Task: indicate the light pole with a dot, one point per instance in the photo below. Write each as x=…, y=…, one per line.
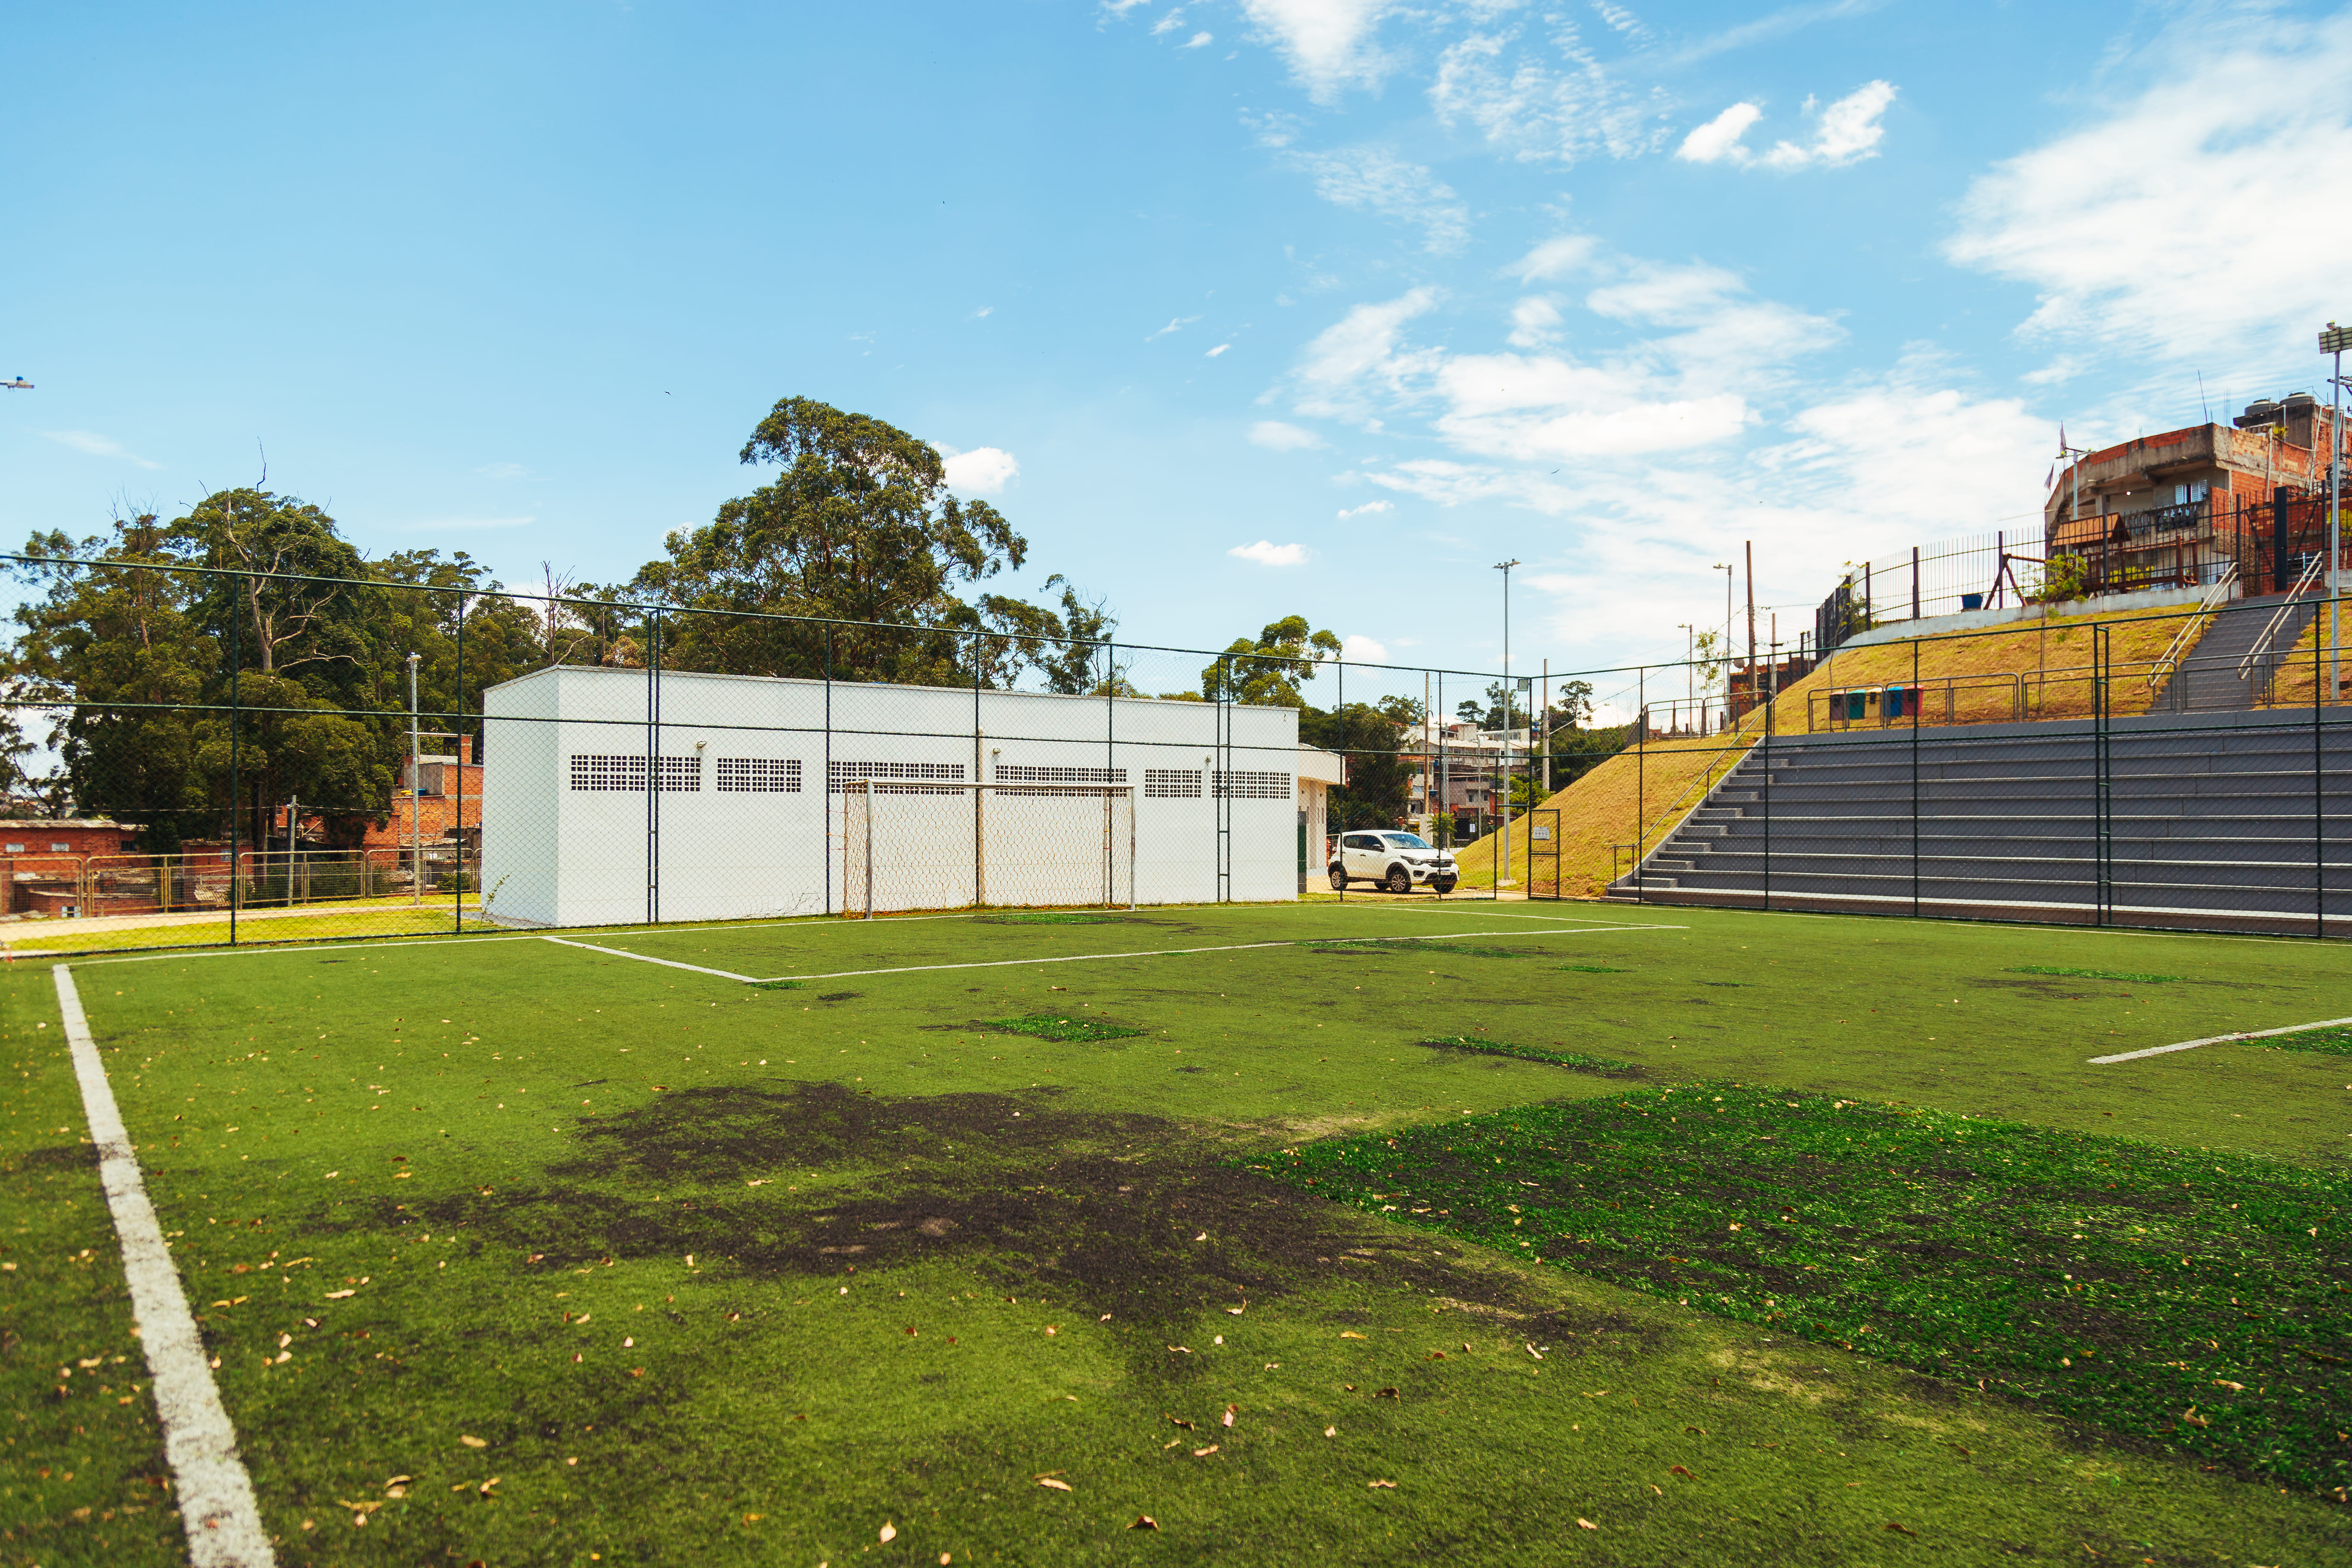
x=1690, y=652
x=1725, y=567
x=2334, y=341
x=1503, y=856
x=415, y=823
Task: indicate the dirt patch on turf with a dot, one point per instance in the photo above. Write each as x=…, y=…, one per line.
x=1087, y=1203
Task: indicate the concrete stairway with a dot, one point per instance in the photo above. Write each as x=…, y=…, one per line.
x=2212, y=822
x=2207, y=680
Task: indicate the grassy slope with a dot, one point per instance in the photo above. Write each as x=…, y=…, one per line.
x=1667, y=777
x=2299, y=673
x=882, y=1127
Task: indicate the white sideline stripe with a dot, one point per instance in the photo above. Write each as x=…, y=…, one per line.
x=1174, y=952
x=2217, y=1040
x=216, y=1502
x=641, y=958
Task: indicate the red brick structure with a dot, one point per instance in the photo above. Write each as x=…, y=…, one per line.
x=2174, y=509
x=44, y=860
x=446, y=795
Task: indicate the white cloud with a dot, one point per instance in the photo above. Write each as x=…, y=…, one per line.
x=1380, y=182
x=1214, y=353
x=1175, y=324
x=1359, y=354
x=1329, y=42
x=1719, y=138
x=1168, y=22
x=2141, y=230
x=983, y=312
x=1199, y=41
x=1368, y=508
x=1535, y=323
x=1556, y=258
x=1845, y=132
x=1358, y=647
x=92, y=444
x=1526, y=104
x=1276, y=437
x=983, y=470
x=503, y=471
x=1265, y=552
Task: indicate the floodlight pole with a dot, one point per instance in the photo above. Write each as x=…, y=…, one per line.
x=2333, y=342
x=1503, y=856
x=1725, y=567
x=415, y=824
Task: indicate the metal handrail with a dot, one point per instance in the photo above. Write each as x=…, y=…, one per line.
x=2286, y=607
x=2192, y=628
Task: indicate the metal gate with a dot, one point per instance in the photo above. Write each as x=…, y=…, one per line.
x=1543, y=852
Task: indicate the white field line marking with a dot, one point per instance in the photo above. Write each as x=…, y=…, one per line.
x=217, y=1503
x=1174, y=952
x=2217, y=1040
x=641, y=958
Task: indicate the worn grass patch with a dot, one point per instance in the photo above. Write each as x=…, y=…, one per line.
x=1577, y=1059
x=2095, y=973
x=1591, y=969
x=2335, y=1042
x=2194, y=1299
x=1072, y=1030
x=1046, y=918
x=1417, y=945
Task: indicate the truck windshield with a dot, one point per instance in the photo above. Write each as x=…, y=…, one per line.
x=1405, y=841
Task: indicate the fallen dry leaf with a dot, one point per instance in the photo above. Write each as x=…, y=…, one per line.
x=1586, y=1524
x=1203, y=1236
x=1677, y=1471
x=1204, y=1453
x=1349, y=1334
x=1144, y=1522
x=1903, y=1528
x=1390, y=1485
x=753, y=1518
x=1331, y=1431
x=1179, y=1421
x=1700, y=1430
x=1050, y=1481
x=1237, y=1312
x=889, y=1532
x=1172, y=1443
x=1388, y=1394
x=339, y=1295
x=472, y=1442
x=1231, y=1411
x=1050, y=1330
x=1533, y=1351
x=485, y=1486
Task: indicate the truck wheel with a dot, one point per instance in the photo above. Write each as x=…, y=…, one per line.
x=1400, y=879
x=1338, y=881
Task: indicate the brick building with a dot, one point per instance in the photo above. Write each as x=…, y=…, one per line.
x=442, y=801
x=2178, y=509
x=45, y=860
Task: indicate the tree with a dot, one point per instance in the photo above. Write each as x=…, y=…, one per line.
x=860, y=526
x=1379, y=791
x=1270, y=671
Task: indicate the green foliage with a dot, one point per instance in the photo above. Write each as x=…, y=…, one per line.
x=1480, y=1045
x=1054, y=1026
x=1379, y=791
x=1271, y=671
x=2099, y=1277
x=2094, y=973
x=2063, y=577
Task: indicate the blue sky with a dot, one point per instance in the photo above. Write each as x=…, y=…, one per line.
x=1236, y=308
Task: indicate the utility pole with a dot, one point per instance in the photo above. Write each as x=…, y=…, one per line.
x=1725, y=567
x=1503, y=855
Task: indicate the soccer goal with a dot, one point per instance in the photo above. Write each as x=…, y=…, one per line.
x=930, y=846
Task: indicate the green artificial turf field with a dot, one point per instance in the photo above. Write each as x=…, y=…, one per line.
x=990, y=1237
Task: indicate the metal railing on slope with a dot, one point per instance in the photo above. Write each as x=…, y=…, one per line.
x=2262, y=644
x=2191, y=630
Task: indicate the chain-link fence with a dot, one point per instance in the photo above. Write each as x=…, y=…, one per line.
x=200, y=755
x=2183, y=767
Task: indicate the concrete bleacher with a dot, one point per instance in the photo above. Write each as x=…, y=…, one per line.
x=2215, y=820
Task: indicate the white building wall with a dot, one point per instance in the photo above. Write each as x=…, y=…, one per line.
x=563, y=852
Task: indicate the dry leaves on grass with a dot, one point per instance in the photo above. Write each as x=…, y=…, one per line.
x=473, y=1442
x=1204, y=1453
x=1586, y=1524
x=1390, y=1485
x=889, y=1532
x=1059, y=1486
x=1144, y=1522
x=1231, y=1411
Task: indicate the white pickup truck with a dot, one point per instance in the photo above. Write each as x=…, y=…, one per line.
x=1396, y=860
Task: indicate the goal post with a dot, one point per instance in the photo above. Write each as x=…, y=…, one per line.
x=942, y=845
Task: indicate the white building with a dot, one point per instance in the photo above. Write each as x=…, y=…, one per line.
x=768, y=792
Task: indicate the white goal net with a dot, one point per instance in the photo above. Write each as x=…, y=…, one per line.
x=934, y=846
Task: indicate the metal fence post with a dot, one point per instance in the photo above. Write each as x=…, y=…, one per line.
x=236, y=787
x=2103, y=775
x=457, y=884
x=1916, y=706
x=826, y=799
